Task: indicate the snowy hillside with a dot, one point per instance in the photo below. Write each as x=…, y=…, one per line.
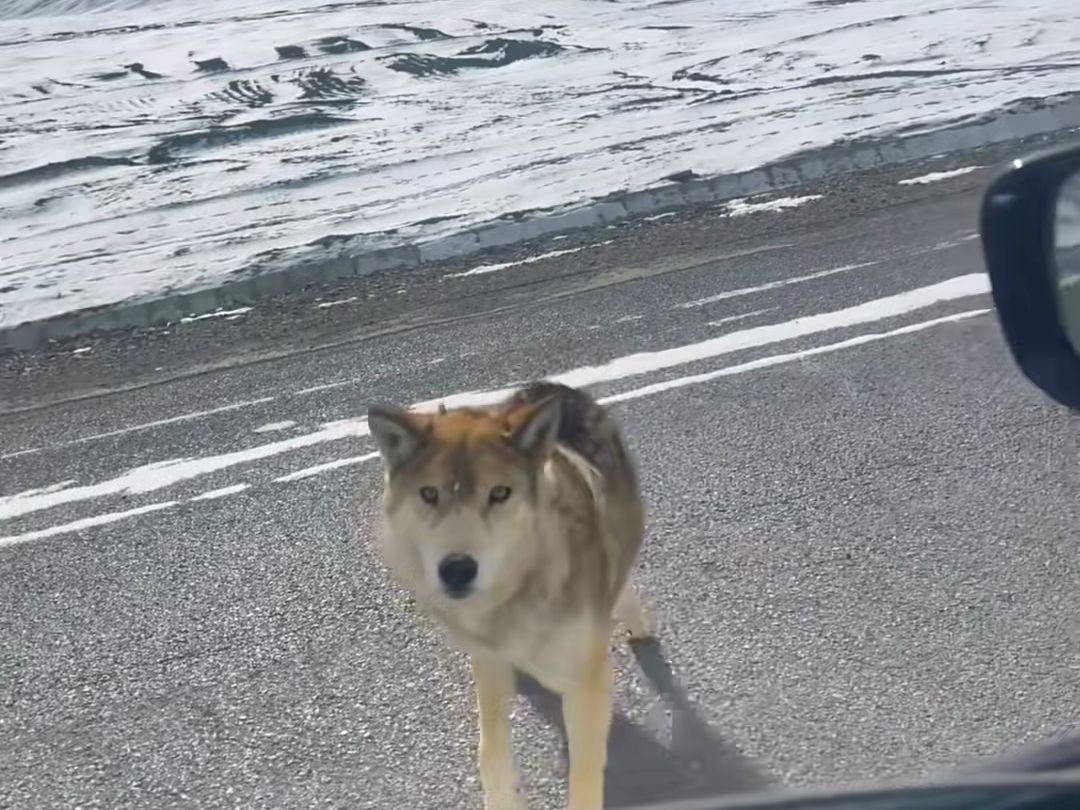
x=155, y=145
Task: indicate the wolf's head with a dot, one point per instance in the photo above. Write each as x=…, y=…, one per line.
x=460, y=504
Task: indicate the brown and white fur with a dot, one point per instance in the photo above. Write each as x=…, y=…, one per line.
x=516, y=527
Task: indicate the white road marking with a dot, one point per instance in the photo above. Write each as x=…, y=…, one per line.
x=740, y=317
x=771, y=285
x=491, y=268
x=949, y=243
x=162, y=474
x=775, y=360
x=338, y=303
x=940, y=246
x=274, y=427
x=27, y=452
x=151, y=477
x=85, y=523
x=30, y=493
x=681, y=382
x=935, y=177
x=342, y=383
x=876, y=310
x=235, y=406
x=644, y=362
x=324, y=387
x=308, y=472
x=224, y=492
x=227, y=313
x=625, y=396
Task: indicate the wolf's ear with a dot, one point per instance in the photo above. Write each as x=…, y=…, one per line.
x=396, y=433
x=538, y=429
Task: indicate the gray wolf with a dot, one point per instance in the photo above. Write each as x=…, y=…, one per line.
x=515, y=527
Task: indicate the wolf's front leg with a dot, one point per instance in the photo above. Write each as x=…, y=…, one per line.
x=498, y=773
x=587, y=716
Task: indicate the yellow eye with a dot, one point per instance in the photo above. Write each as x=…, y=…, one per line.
x=429, y=495
x=499, y=494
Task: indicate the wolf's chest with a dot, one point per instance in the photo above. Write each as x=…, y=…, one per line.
x=552, y=652
x=554, y=656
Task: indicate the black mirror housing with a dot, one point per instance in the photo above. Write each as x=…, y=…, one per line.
x=1017, y=227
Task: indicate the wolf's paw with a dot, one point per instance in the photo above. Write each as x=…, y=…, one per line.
x=639, y=627
x=631, y=612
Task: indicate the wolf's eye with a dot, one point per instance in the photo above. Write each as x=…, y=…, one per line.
x=499, y=494
x=429, y=495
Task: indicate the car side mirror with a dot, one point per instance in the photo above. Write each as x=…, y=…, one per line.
x=1030, y=229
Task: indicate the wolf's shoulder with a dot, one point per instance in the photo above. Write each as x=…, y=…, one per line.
x=585, y=426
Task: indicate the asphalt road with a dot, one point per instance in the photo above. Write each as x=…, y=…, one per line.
x=863, y=544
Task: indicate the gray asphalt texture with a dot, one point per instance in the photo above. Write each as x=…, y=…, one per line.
x=864, y=564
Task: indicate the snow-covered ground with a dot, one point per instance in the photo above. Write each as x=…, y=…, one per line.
x=153, y=145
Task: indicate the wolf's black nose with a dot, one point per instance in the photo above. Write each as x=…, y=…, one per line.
x=457, y=572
